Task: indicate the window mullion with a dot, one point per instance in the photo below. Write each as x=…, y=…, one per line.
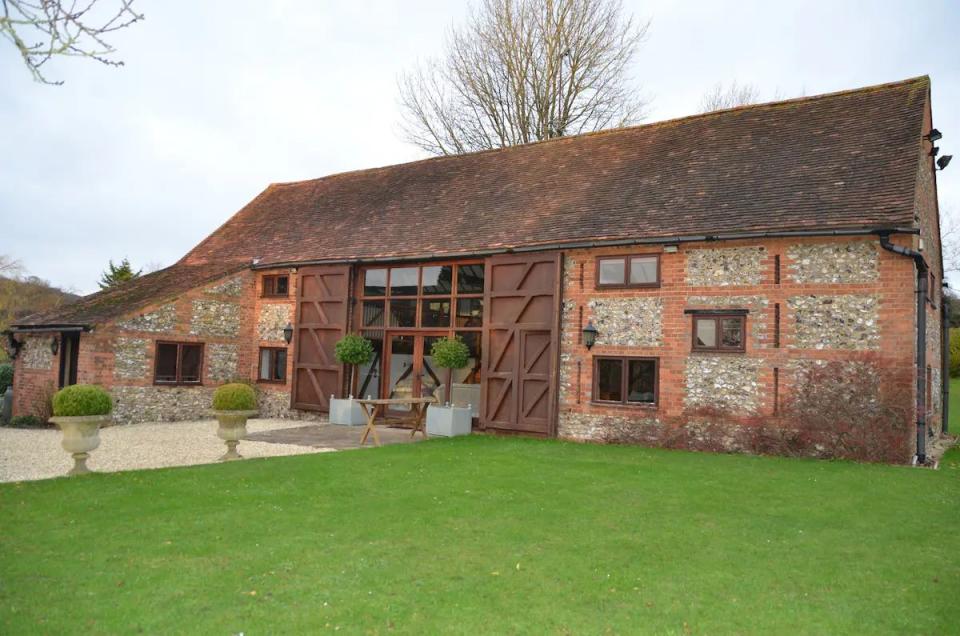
x=624, y=370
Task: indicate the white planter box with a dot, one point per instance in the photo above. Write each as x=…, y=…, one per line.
x=448, y=421
x=346, y=412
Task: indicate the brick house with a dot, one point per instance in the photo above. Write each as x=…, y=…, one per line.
x=719, y=258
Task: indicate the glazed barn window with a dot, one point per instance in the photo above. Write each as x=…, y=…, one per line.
x=719, y=332
x=178, y=363
x=628, y=271
x=273, y=364
x=625, y=380
x=276, y=286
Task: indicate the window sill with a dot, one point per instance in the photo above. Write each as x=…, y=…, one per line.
x=712, y=352
x=632, y=406
x=157, y=383
x=616, y=287
x=275, y=296
x=262, y=381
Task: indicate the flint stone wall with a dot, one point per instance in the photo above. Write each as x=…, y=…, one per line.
x=609, y=428
x=273, y=318
x=726, y=266
x=130, y=358
x=726, y=383
x=221, y=362
x=849, y=262
x=628, y=322
x=36, y=353
x=134, y=404
x=835, y=322
x=161, y=320
x=230, y=287
x=215, y=318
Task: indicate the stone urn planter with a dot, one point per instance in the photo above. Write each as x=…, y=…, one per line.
x=233, y=405
x=231, y=429
x=81, y=434
x=79, y=411
x=346, y=412
x=449, y=421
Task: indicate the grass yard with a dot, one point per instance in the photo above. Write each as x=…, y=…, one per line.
x=487, y=535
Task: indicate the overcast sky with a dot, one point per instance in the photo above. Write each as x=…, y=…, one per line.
x=220, y=98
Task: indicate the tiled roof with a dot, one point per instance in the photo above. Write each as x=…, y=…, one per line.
x=148, y=289
x=840, y=160
x=845, y=160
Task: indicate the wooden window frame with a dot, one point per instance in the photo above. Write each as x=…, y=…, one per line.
x=273, y=278
x=179, y=345
x=717, y=317
x=625, y=381
x=273, y=351
x=419, y=297
x=627, y=258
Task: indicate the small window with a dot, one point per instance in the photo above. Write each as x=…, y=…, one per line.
x=628, y=271
x=273, y=364
x=625, y=380
x=178, y=363
x=718, y=332
x=276, y=286
x=375, y=282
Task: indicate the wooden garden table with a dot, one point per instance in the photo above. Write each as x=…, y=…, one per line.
x=418, y=408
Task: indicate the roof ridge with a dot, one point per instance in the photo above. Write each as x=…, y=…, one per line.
x=919, y=79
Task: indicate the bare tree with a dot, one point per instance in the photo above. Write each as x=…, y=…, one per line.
x=721, y=97
x=525, y=70
x=949, y=241
x=10, y=266
x=43, y=29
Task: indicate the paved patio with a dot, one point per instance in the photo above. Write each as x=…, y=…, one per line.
x=331, y=437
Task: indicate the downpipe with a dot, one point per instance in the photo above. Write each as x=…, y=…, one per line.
x=922, y=288
x=945, y=366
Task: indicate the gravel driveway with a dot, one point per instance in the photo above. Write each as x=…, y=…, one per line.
x=27, y=454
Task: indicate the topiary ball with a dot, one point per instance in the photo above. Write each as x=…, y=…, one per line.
x=234, y=397
x=353, y=349
x=450, y=353
x=81, y=399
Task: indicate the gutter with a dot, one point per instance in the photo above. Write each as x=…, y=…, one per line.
x=46, y=328
x=568, y=245
x=921, y=358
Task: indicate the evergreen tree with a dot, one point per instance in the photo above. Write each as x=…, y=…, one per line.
x=116, y=274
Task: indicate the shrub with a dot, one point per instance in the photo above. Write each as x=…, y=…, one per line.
x=955, y=353
x=6, y=376
x=450, y=353
x=27, y=421
x=234, y=397
x=353, y=349
x=81, y=399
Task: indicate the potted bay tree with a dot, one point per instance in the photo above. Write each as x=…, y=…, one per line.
x=79, y=411
x=352, y=350
x=448, y=420
x=233, y=404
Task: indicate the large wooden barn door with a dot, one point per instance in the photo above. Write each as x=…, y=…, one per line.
x=520, y=348
x=322, y=300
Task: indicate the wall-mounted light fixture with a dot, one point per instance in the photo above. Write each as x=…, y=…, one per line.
x=54, y=345
x=589, y=335
x=670, y=249
x=934, y=135
x=943, y=161
x=288, y=333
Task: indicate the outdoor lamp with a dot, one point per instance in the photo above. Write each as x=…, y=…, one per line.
x=288, y=333
x=943, y=161
x=54, y=345
x=934, y=135
x=589, y=334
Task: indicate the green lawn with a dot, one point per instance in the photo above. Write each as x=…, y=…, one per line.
x=487, y=534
